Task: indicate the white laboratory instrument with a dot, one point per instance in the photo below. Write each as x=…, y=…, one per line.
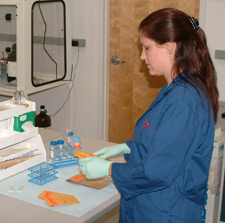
x=215, y=180
x=21, y=146
x=41, y=31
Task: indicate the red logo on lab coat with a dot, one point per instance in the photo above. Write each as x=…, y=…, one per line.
x=147, y=125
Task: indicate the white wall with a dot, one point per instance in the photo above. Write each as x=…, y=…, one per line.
x=88, y=23
x=212, y=21
x=84, y=112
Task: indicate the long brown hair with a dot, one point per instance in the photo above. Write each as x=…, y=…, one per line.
x=192, y=55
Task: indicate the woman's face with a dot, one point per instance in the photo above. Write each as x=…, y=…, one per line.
x=159, y=58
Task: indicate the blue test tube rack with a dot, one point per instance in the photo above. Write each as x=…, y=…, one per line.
x=63, y=157
x=42, y=173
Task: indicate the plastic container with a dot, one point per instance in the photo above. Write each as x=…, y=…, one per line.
x=69, y=138
x=42, y=120
x=4, y=80
x=53, y=146
x=60, y=144
x=76, y=143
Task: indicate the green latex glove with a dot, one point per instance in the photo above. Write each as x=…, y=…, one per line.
x=113, y=151
x=94, y=167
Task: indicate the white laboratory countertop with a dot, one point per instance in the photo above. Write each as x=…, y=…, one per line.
x=17, y=211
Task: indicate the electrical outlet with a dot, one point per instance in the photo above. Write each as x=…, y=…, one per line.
x=79, y=42
x=223, y=115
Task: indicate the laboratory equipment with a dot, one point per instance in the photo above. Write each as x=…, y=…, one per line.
x=42, y=173
x=43, y=46
x=20, y=144
x=70, y=139
x=60, y=144
x=215, y=180
x=68, y=136
x=18, y=98
x=4, y=80
x=43, y=120
x=76, y=143
x=63, y=155
x=12, y=64
x=53, y=146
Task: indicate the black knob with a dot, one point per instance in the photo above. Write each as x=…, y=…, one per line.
x=8, y=49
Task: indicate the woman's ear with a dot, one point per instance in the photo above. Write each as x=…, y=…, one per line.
x=171, y=47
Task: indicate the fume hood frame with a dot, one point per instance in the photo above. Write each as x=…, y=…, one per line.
x=24, y=47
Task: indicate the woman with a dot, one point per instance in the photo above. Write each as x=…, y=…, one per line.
x=165, y=175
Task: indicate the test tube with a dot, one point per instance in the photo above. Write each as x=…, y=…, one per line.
x=60, y=146
x=53, y=145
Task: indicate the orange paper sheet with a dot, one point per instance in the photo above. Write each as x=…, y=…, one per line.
x=54, y=198
x=81, y=154
x=78, y=177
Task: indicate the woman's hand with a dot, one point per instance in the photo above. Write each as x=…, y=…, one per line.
x=94, y=167
x=113, y=151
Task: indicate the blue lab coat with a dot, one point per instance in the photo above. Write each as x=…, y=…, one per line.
x=165, y=177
